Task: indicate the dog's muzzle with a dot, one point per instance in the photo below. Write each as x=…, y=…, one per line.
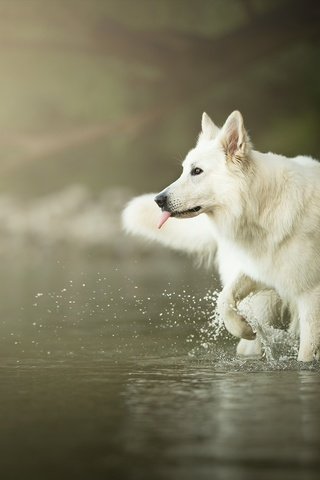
x=162, y=201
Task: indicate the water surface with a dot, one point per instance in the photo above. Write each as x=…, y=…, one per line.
x=112, y=369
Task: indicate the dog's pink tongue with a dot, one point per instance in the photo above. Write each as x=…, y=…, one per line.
x=164, y=217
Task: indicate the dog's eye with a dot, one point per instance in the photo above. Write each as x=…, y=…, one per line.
x=196, y=171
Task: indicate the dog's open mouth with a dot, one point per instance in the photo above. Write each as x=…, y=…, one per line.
x=186, y=213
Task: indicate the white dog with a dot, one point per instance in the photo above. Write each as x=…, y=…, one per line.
x=262, y=222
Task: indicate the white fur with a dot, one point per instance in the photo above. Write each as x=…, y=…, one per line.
x=195, y=236
x=262, y=219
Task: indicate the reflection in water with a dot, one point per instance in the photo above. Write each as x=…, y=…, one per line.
x=225, y=422
x=115, y=372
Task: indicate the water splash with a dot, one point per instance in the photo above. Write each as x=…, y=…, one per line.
x=211, y=337
x=278, y=344
x=175, y=321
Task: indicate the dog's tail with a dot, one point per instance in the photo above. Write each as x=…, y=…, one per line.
x=193, y=235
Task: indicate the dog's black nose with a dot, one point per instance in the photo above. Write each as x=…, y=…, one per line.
x=161, y=200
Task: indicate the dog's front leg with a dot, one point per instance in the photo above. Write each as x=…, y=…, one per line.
x=227, y=304
x=309, y=315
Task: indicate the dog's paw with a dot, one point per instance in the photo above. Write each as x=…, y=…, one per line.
x=249, y=348
x=308, y=354
x=237, y=325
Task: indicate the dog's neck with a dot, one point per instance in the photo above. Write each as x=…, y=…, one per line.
x=251, y=224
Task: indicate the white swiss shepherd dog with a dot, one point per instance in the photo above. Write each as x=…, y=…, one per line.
x=258, y=216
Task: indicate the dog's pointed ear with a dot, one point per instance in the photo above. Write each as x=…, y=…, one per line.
x=234, y=138
x=208, y=129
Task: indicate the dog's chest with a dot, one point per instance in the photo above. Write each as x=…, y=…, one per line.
x=260, y=267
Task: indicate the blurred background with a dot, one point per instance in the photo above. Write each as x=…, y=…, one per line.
x=102, y=99
x=112, y=364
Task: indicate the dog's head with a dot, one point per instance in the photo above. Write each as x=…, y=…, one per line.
x=211, y=171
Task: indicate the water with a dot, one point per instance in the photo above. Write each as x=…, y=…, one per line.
x=113, y=369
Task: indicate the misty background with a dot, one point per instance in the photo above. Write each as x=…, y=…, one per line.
x=101, y=100
x=113, y=363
